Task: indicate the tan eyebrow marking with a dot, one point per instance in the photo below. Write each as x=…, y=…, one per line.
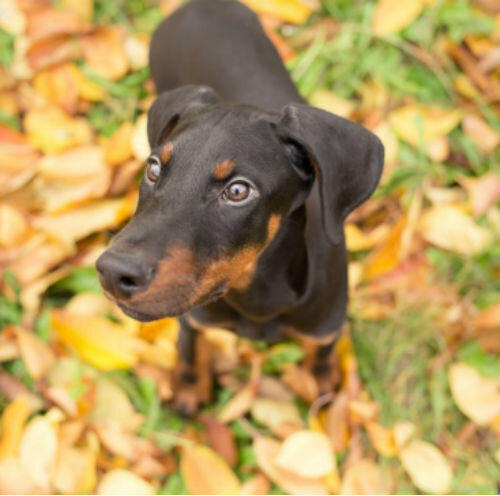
x=223, y=169
x=166, y=152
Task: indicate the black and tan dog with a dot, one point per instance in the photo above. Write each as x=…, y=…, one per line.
x=241, y=209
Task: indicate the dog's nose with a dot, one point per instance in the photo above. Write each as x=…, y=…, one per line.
x=123, y=275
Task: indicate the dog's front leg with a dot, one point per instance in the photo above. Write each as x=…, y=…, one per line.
x=193, y=380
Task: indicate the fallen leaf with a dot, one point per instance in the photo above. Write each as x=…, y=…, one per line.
x=481, y=133
x=97, y=340
x=51, y=130
x=205, y=472
x=36, y=354
x=364, y=477
x=489, y=318
x=137, y=50
x=403, y=433
x=337, y=426
x=238, y=405
x=118, y=148
x=15, y=478
x=448, y=227
x=14, y=418
x=306, y=453
x=483, y=191
x=121, y=481
x=382, y=439
x=221, y=439
x=86, y=304
x=46, y=52
x=266, y=450
x=258, y=484
x=417, y=124
x=13, y=19
x=38, y=451
x=391, y=16
x=293, y=11
x=301, y=382
x=427, y=467
x=279, y=416
x=327, y=100
x=476, y=396
x=104, y=52
x=74, y=470
x=140, y=142
x=13, y=226
x=87, y=219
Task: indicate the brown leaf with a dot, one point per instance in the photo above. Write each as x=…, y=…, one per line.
x=301, y=382
x=221, y=439
x=37, y=355
x=481, y=133
x=205, y=472
x=483, y=191
x=258, y=484
x=337, y=422
x=266, y=450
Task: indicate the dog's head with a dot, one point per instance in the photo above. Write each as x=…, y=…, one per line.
x=220, y=179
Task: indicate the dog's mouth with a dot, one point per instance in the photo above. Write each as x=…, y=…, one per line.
x=169, y=304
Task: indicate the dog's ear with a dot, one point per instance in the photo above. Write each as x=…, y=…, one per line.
x=168, y=106
x=346, y=158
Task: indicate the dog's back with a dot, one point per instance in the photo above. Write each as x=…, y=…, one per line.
x=220, y=43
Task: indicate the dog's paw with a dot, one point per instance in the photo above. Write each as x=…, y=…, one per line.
x=186, y=403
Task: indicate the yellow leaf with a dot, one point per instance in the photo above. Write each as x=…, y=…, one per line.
x=121, y=481
x=13, y=226
x=38, y=450
x=118, y=148
x=74, y=471
x=88, y=304
x=87, y=219
x=52, y=131
x=357, y=240
x=97, y=340
x=391, y=16
x=448, y=227
x=238, y=405
x=15, y=479
x=258, y=484
x=417, y=124
x=364, y=477
x=266, y=450
x=13, y=420
x=477, y=397
x=307, y=453
x=140, y=143
x=276, y=414
x=403, y=432
x=37, y=355
x=427, y=467
x=327, y=100
x=388, y=255
x=205, y=472
x=382, y=439
x=293, y=11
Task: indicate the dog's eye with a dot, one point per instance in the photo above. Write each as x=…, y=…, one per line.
x=153, y=168
x=237, y=192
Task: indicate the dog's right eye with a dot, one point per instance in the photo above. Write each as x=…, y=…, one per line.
x=153, y=168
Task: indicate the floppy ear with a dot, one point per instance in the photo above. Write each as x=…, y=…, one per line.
x=168, y=106
x=347, y=160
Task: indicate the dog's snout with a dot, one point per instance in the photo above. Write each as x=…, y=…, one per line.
x=123, y=275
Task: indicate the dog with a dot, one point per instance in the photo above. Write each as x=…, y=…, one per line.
x=241, y=209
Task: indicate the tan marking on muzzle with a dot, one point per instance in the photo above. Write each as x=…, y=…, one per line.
x=223, y=169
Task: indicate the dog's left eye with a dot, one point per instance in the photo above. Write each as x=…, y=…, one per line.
x=237, y=192
x=153, y=168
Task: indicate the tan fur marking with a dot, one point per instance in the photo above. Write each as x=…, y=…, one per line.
x=223, y=169
x=273, y=226
x=166, y=152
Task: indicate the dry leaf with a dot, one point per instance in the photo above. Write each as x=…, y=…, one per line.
x=327, y=100
x=483, y=191
x=266, y=450
x=403, y=432
x=104, y=52
x=97, y=340
x=280, y=416
x=37, y=355
x=364, y=477
x=121, y=481
x=13, y=226
x=15, y=478
x=38, y=451
x=74, y=471
x=293, y=11
x=448, y=227
x=118, y=148
x=307, y=453
x=337, y=422
x=258, y=484
x=391, y=16
x=481, y=133
x=489, y=318
x=14, y=418
x=238, y=405
x=417, y=124
x=140, y=142
x=137, y=50
x=427, y=467
x=477, y=397
x=301, y=382
x=382, y=439
x=87, y=219
x=52, y=131
x=221, y=439
x=205, y=472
